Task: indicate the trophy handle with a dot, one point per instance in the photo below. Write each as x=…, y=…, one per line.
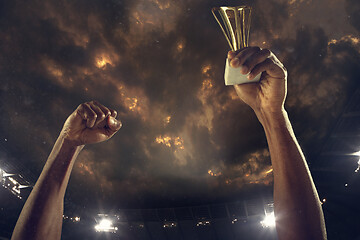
x=246, y=22
x=239, y=32
x=228, y=31
x=236, y=32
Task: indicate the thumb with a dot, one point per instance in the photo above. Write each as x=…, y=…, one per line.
x=113, y=124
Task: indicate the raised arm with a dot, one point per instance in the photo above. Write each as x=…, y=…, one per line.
x=41, y=216
x=297, y=206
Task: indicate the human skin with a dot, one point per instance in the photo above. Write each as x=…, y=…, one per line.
x=42, y=215
x=297, y=205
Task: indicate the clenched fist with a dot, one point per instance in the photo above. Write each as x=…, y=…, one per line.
x=91, y=122
x=270, y=92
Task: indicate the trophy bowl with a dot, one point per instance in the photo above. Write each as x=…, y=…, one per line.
x=235, y=24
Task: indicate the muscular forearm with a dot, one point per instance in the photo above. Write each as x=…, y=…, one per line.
x=297, y=206
x=41, y=217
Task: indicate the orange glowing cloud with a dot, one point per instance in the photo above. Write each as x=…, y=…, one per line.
x=167, y=120
x=131, y=103
x=163, y=4
x=56, y=72
x=148, y=17
x=102, y=61
x=180, y=45
x=213, y=173
x=256, y=170
x=135, y=101
x=107, y=56
x=348, y=38
x=168, y=141
x=87, y=166
x=205, y=70
x=179, y=142
x=68, y=24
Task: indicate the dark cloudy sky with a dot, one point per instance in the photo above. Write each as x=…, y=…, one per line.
x=160, y=64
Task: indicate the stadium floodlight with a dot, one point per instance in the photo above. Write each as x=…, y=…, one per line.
x=4, y=174
x=358, y=168
x=269, y=221
x=13, y=180
x=169, y=224
x=105, y=225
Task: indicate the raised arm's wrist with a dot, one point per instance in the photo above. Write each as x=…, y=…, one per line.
x=272, y=118
x=72, y=144
x=67, y=145
x=65, y=139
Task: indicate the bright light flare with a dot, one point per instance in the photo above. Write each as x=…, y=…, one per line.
x=203, y=223
x=358, y=168
x=4, y=174
x=356, y=154
x=269, y=221
x=105, y=225
x=169, y=224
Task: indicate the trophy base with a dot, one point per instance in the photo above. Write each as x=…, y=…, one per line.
x=233, y=76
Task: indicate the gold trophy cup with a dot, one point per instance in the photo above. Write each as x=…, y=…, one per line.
x=236, y=28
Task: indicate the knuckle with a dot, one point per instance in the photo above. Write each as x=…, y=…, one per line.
x=266, y=52
x=256, y=49
x=247, y=64
x=256, y=69
x=113, y=113
x=268, y=61
x=240, y=50
x=250, y=62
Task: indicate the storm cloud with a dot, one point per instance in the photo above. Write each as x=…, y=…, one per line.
x=160, y=64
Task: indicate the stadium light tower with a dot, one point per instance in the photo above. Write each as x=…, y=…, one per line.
x=12, y=181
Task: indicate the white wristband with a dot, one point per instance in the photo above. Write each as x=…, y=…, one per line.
x=234, y=76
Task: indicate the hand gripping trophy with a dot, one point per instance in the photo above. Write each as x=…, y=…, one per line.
x=236, y=21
